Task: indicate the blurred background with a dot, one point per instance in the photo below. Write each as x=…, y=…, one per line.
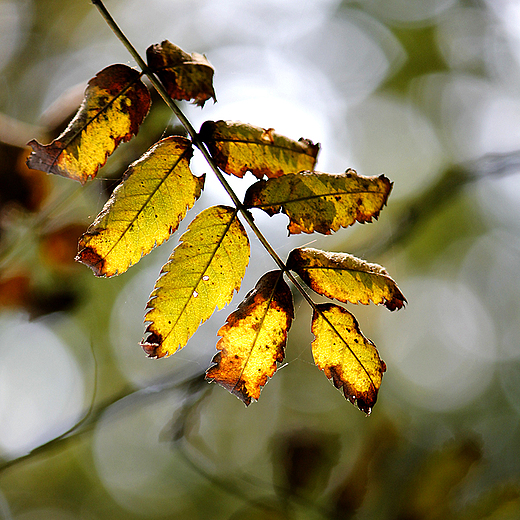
x=426, y=92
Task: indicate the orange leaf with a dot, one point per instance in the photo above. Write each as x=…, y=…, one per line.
x=253, y=339
x=116, y=102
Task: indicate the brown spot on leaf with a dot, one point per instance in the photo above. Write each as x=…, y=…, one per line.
x=91, y=259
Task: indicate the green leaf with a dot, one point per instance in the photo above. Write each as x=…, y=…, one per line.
x=144, y=210
x=238, y=148
x=202, y=273
x=346, y=356
x=345, y=277
x=321, y=202
x=253, y=339
x=116, y=102
x=185, y=76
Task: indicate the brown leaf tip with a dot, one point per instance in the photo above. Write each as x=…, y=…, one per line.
x=237, y=388
x=152, y=344
x=91, y=259
x=365, y=401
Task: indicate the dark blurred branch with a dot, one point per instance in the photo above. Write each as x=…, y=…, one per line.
x=448, y=186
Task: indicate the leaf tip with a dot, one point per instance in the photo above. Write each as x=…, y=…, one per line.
x=90, y=258
x=152, y=344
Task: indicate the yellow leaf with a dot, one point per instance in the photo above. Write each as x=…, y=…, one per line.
x=185, y=76
x=345, y=277
x=116, y=102
x=346, y=356
x=144, y=210
x=202, y=273
x=321, y=202
x=238, y=148
x=253, y=339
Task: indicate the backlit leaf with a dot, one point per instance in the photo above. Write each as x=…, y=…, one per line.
x=321, y=202
x=253, y=339
x=201, y=274
x=238, y=148
x=346, y=356
x=116, y=102
x=345, y=277
x=185, y=76
x=144, y=210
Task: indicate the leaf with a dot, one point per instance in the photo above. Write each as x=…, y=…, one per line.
x=202, y=273
x=115, y=104
x=321, y=202
x=254, y=338
x=346, y=356
x=345, y=277
x=238, y=148
x=144, y=210
x=185, y=76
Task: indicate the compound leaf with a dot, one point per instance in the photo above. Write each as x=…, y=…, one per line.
x=321, y=202
x=185, y=76
x=115, y=104
x=253, y=339
x=345, y=277
x=238, y=148
x=346, y=356
x=144, y=210
x=202, y=273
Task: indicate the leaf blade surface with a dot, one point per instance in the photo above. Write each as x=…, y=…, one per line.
x=238, y=148
x=186, y=76
x=202, y=274
x=115, y=104
x=253, y=339
x=144, y=210
x=346, y=356
x=345, y=277
x=321, y=202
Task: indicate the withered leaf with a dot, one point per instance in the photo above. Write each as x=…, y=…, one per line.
x=321, y=202
x=185, y=76
x=253, y=339
x=115, y=104
x=202, y=274
x=144, y=210
x=238, y=148
x=345, y=277
x=346, y=356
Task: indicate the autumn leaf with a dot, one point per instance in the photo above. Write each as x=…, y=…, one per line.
x=201, y=274
x=238, y=148
x=144, y=210
x=185, y=76
x=345, y=277
x=346, y=356
x=115, y=104
x=321, y=202
x=253, y=339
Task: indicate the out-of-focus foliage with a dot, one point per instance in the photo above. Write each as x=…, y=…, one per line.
x=419, y=91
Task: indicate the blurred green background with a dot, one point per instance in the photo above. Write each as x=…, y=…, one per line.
x=425, y=91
